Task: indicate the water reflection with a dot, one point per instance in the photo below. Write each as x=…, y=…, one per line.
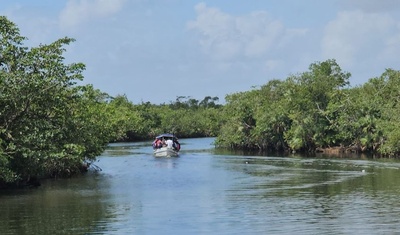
x=58, y=207
x=336, y=196
x=166, y=162
x=206, y=191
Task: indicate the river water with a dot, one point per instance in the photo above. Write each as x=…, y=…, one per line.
x=206, y=191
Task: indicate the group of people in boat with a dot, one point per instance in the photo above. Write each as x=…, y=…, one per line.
x=169, y=142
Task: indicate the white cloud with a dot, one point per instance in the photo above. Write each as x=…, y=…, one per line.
x=260, y=33
x=216, y=30
x=80, y=11
x=226, y=37
x=143, y=43
x=356, y=34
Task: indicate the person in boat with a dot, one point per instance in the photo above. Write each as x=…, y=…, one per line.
x=157, y=143
x=167, y=142
x=176, y=144
x=170, y=143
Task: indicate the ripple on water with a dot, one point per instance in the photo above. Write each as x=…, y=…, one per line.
x=202, y=193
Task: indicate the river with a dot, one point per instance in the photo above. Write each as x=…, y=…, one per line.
x=206, y=191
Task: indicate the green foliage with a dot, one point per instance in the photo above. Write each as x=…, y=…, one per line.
x=238, y=113
x=190, y=118
x=124, y=119
x=315, y=110
x=387, y=105
x=310, y=95
x=48, y=124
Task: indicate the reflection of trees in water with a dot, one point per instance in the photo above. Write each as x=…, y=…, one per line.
x=333, y=195
x=290, y=176
x=128, y=148
x=65, y=206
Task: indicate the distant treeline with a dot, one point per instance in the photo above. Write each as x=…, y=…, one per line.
x=186, y=117
x=50, y=126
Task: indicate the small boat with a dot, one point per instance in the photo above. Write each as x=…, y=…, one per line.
x=166, y=145
x=165, y=152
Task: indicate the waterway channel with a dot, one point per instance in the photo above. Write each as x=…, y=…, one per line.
x=207, y=191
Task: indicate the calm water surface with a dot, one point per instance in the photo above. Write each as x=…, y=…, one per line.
x=209, y=192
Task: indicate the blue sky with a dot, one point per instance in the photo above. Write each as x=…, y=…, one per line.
x=157, y=50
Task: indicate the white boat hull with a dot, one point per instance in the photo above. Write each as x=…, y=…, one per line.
x=165, y=152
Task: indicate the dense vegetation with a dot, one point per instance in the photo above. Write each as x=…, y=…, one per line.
x=50, y=126
x=316, y=110
x=186, y=117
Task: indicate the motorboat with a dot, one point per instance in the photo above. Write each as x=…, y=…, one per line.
x=166, y=145
x=165, y=152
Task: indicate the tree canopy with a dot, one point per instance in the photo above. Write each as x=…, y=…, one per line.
x=49, y=125
x=316, y=110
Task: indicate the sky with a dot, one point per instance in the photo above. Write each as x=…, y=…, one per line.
x=157, y=50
